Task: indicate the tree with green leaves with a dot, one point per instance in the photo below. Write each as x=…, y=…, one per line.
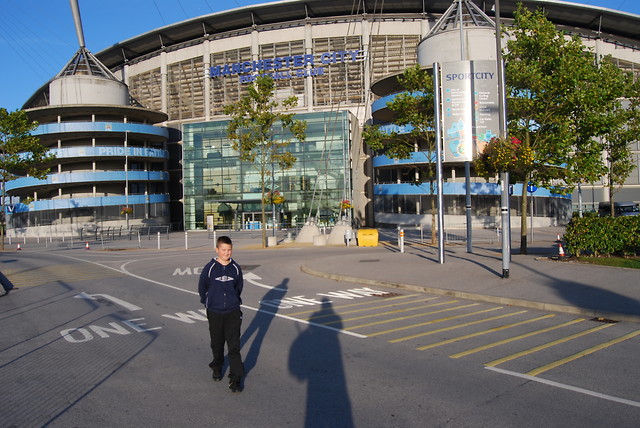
x=558, y=100
x=413, y=111
x=20, y=154
x=619, y=126
x=256, y=129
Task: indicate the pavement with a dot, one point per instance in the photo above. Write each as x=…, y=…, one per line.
x=536, y=280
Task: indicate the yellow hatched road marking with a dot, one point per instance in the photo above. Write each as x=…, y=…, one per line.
x=426, y=333
x=372, y=308
x=581, y=354
x=394, y=312
x=368, y=302
x=411, y=316
x=491, y=330
x=47, y=274
x=513, y=339
x=545, y=346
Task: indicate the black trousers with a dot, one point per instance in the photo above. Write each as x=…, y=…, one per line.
x=226, y=328
x=6, y=284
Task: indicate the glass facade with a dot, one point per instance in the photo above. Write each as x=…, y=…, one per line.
x=218, y=184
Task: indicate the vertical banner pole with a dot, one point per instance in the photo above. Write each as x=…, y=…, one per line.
x=438, y=126
x=504, y=176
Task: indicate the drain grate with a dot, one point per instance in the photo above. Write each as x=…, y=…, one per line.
x=369, y=260
x=384, y=295
x=604, y=320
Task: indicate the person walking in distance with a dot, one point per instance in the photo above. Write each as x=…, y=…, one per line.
x=220, y=287
x=7, y=285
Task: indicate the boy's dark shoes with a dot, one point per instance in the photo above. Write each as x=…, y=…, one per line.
x=234, y=386
x=217, y=374
x=8, y=291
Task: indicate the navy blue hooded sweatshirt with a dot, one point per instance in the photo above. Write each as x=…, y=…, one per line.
x=220, y=286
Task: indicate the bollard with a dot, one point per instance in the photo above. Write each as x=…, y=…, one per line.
x=402, y=240
x=158, y=240
x=348, y=235
x=186, y=240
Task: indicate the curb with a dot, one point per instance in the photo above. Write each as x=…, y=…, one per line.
x=567, y=309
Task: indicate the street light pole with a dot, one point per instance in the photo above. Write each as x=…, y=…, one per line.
x=504, y=175
x=126, y=176
x=273, y=205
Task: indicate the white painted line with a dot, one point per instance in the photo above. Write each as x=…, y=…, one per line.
x=252, y=278
x=350, y=333
x=124, y=270
x=567, y=387
x=126, y=305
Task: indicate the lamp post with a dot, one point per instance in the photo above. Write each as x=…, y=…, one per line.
x=126, y=177
x=504, y=175
x=273, y=205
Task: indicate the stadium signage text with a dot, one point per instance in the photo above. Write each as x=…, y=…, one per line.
x=469, y=76
x=130, y=151
x=309, y=65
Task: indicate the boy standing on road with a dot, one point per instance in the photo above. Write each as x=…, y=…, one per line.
x=220, y=287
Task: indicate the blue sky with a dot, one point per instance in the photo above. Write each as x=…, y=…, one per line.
x=37, y=37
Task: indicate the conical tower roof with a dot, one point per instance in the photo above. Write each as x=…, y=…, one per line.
x=463, y=13
x=83, y=63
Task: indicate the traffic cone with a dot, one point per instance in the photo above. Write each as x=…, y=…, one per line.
x=86, y=246
x=18, y=249
x=561, y=254
x=558, y=240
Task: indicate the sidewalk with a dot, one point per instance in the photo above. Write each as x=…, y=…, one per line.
x=535, y=281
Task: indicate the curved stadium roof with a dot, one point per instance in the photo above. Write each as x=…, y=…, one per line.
x=613, y=25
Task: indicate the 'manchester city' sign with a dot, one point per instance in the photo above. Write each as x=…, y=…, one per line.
x=308, y=65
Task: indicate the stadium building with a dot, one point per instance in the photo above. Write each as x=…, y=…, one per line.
x=340, y=60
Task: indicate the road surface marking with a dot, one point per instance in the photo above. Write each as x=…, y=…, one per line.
x=427, y=333
x=424, y=323
x=480, y=333
x=545, y=346
x=373, y=308
x=513, y=339
x=379, y=314
x=350, y=333
x=416, y=315
x=126, y=305
x=567, y=387
x=581, y=354
x=368, y=302
x=123, y=270
x=253, y=279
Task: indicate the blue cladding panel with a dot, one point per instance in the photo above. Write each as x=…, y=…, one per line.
x=68, y=127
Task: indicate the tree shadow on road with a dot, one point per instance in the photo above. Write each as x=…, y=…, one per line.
x=316, y=357
x=590, y=296
x=260, y=324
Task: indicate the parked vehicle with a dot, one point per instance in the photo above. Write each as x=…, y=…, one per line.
x=620, y=209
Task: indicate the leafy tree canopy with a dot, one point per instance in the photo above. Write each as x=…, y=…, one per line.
x=258, y=122
x=20, y=152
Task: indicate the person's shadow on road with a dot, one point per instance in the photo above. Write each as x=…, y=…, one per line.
x=315, y=357
x=260, y=324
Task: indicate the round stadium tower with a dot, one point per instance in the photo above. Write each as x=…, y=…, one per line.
x=341, y=61
x=110, y=166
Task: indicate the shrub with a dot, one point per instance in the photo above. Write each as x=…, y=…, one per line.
x=603, y=236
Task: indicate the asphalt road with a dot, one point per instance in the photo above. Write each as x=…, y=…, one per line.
x=116, y=338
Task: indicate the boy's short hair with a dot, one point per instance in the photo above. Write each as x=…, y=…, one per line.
x=223, y=240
